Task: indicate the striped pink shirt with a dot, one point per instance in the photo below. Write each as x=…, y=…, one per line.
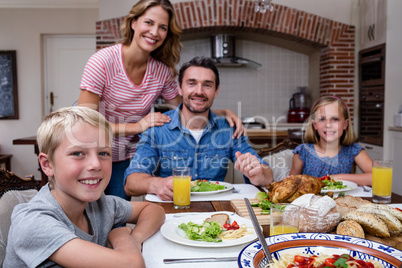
x=120, y=100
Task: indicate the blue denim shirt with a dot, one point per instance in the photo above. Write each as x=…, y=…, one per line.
x=160, y=149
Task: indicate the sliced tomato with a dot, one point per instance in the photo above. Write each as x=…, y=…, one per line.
x=227, y=226
x=330, y=262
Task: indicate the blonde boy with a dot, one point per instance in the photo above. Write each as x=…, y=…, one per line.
x=69, y=222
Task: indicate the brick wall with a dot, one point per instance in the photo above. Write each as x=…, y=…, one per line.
x=335, y=40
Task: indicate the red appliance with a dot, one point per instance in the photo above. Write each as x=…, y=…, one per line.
x=299, y=107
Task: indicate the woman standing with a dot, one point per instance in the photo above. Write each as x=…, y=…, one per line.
x=123, y=81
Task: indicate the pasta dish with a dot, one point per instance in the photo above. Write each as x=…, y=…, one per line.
x=334, y=261
x=234, y=233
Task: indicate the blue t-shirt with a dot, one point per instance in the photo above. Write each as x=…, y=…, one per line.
x=317, y=166
x=172, y=145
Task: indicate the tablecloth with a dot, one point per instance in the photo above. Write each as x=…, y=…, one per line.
x=241, y=191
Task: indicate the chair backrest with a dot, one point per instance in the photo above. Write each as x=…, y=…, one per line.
x=279, y=158
x=14, y=190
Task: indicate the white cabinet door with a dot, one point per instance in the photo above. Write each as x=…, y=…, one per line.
x=373, y=23
x=396, y=156
x=375, y=152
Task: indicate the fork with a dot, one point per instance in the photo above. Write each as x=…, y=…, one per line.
x=365, y=189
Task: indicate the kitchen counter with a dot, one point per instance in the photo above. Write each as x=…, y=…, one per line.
x=265, y=138
x=398, y=129
x=266, y=133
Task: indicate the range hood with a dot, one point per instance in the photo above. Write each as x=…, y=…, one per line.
x=224, y=52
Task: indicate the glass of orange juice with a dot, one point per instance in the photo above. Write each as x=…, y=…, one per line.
x=284, y=218
x=181, y=187
x=382, y=181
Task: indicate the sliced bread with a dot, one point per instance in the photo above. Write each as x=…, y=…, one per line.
x=220, y=218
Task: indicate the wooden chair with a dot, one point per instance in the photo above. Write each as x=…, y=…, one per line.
x=279, y=158
x=10, y=181
x=14, y=190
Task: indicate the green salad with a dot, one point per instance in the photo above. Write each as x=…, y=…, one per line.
x=334, y=185
x=264, y=203
x=208, y=231
x=206, y=186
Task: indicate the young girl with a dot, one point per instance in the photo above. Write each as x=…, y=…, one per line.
x=70, y=221
x=330, y=147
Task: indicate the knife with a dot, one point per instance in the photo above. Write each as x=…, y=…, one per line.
x=258, y=231
x=219, y=259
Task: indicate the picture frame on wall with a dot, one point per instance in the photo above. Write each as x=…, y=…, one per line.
x=8, y=85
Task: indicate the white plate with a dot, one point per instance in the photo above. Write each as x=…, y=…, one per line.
x=351, y=186
x=229, y=187
x=171, y=231
x=395, y=205
x=318, y=243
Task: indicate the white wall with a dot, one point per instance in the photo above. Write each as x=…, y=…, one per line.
x=21, y=30
x=393, y=69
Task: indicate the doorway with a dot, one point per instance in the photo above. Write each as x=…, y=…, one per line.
x=65, y=57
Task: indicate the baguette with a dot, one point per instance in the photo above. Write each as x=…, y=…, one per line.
x=370, y=223
x=396, y=213
x=393, y=224
x=350, y=228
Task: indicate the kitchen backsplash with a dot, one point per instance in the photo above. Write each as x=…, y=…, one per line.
x=264, y=91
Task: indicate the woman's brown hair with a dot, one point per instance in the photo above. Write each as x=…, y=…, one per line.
x=169, y=51
x=311, y=136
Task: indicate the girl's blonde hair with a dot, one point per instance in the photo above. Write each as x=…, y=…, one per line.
x=311, y=136
x=55, y=125
x=169, y=51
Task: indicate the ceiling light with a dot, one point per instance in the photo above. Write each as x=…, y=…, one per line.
x=263, y=5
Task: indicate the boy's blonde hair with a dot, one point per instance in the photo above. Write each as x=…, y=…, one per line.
x=53, y=128
x=311, y=136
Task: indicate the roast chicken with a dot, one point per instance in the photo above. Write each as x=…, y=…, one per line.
x=290, y=188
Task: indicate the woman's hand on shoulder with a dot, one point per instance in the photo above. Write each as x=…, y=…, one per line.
x=233, y=120
x=153, y=120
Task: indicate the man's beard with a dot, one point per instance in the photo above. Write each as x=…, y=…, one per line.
x=191, y=109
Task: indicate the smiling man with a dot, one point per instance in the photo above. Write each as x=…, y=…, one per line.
x=194, y=138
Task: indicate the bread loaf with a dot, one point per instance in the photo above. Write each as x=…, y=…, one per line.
x=370, y=223
x=392, y=222
x=317, y=213
x=350, y=228
x=396, y=213
x=349, y=203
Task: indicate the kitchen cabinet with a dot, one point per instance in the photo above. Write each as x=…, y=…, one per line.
x=373, y=24
x=375, y=152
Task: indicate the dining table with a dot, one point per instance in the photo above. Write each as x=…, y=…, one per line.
x=215, y=206
x=165, y=248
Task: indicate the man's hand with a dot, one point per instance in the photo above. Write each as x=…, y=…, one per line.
x=248, y=164
x=163, y=188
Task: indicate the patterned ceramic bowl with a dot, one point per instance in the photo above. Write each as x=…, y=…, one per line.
x=319, y=243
